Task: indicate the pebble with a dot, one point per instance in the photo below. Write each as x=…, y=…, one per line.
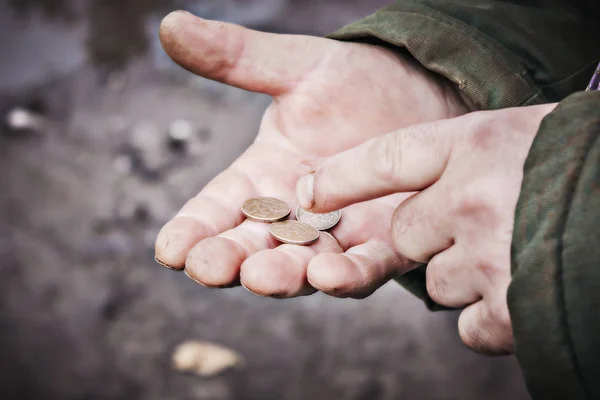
x=21, y=119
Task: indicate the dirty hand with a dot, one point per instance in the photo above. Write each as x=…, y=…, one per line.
x=328, y=96
x=468, y=173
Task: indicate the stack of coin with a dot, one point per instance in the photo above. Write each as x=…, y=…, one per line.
x=306, y=230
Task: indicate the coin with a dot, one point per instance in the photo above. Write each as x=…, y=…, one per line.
x=294, y=232
x=265, y=209
x=328, y=234
x=321, y=222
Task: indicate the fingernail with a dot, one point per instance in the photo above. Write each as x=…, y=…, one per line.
x=194, y=279
x=305, y=191
x=166, y=265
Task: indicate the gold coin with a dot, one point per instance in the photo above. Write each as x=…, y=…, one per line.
x=321, y=222
x=266, y=209
x=294, y=232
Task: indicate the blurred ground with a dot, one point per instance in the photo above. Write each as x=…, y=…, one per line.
x=84, y=311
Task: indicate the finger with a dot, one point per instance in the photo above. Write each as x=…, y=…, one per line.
x=251, y=60
x=216, y=261
x=422, y=226
x=215, y=210
x=451, y=281
x=485, y=333
x=410, y=159
x=357, y=273
x=281, y=272
x=364, y=230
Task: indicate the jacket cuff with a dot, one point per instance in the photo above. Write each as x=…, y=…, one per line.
x=484, y=70
x=553, y=299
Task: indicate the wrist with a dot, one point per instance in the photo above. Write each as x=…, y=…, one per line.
x=452, y=101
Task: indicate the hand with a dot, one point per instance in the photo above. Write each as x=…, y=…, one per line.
x=468, y=172
x=328, y=96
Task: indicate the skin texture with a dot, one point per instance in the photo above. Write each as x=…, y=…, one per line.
x=468, y=173
x=328, y=97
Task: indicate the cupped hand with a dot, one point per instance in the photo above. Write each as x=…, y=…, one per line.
x=328, y=96
x=468, y=173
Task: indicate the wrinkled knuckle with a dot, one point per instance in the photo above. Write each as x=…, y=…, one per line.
x=481, y=135
x=491, y=336
x=490, y=268
x=404, y=248
x=480, y=130
x=472, y=203
x=223, y=51
x=385, y=158
x=403, y=219
x=435, y=285
x=469, y=203
x=474, y=337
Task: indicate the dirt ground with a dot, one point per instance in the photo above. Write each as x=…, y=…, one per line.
x=85, y=313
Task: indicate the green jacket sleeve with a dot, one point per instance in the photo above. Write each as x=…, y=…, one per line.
x=554, y=297
x=500, y=53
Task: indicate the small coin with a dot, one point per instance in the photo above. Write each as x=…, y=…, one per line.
x=266, y=209
x=294, y=232
x=321, y=222
x=328, y=234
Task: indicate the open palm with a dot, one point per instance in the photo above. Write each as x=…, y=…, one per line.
x=328, y=96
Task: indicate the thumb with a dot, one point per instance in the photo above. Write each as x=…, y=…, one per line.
x=251, y=60
x=407, y=160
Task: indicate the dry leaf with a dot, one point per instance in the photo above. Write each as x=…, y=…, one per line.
x=204, y=358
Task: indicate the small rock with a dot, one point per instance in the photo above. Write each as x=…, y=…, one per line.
x=181, y=129
x=148, y=143
x=20, y=119
x=180, y=133
x=204, y=358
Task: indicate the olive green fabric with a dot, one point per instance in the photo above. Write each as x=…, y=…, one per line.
x=500, y=53
x=554, y=297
